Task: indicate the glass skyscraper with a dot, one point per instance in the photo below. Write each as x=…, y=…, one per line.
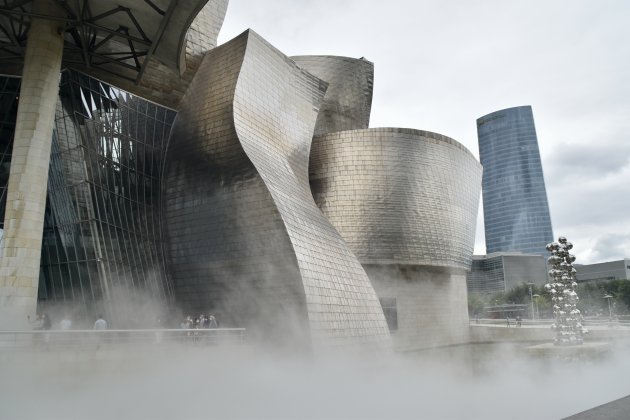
x=516, y=212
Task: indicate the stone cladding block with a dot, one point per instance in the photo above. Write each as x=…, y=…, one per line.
x=26, y=191
x=245, y=237
x=431, y=304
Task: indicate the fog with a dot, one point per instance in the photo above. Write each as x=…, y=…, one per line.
x=483, y=381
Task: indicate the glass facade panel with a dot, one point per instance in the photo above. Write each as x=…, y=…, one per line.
x=9, y=91
x=102, y=242
x=486, y=276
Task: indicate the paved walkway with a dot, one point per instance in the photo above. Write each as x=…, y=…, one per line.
x=615, y=410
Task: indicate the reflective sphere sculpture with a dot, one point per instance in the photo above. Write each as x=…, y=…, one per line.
x=568, y=323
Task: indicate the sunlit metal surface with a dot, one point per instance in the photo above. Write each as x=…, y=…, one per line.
x=245, y=236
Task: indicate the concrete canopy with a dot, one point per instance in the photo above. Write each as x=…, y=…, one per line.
x=120, y=37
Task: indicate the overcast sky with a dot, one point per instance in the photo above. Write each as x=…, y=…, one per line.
x=441, y=64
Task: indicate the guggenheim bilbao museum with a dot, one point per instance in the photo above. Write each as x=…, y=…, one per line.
x=144, y=167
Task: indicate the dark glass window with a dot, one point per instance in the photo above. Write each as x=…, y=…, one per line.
x=391, y=312
x=102, y=239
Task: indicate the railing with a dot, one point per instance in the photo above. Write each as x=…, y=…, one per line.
x=99, y=338
x=512, y=322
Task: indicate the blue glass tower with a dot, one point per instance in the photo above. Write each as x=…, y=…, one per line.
x=516, y=212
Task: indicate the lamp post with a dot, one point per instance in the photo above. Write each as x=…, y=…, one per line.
x=531, y=298
x=536, y=296
x=608, y=296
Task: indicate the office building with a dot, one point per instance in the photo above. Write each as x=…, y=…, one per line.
x=516, y=212
x=609, y=270
x=503, y=271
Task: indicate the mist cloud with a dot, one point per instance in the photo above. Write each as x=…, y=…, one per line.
x=187, y=382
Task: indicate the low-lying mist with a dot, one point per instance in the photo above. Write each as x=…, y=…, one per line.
x=173, y=381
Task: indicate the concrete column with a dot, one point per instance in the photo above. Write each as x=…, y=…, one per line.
x=26, y=195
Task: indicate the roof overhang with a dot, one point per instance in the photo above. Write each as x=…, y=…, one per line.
x=117, y=36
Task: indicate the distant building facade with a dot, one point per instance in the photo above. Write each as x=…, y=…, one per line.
x=502, y=271
x=516, y=211
x=609, y=270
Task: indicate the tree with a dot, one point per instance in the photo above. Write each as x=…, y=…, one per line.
x=475, y=305
x=592, y=296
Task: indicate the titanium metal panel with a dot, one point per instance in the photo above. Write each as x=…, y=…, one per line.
x=516, y=212
x=398, y=196
x=348, y=100
x=246, y=239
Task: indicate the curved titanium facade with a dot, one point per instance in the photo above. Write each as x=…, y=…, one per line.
x=246, y=239
x=516, y=212
x=348, y=100
x=398, y=196
x=406, y=203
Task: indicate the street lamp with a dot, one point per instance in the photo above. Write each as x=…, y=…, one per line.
x=531, y=298
x=608, y=297
x=537, y=313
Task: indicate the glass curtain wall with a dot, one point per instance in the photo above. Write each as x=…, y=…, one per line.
x=9, y=91
x=102, y=249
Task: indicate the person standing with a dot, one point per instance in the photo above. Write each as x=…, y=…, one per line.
x=37, y=323
x=46, y=324
x=100, y=323
x=212, y=322
x=65, y=323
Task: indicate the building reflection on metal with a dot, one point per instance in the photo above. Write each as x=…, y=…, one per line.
x=244, y=232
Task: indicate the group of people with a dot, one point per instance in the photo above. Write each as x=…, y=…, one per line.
x=43, y=322
x=202, y=321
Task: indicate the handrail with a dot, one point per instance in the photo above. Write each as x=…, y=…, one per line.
x=121, y=331
x=98, y=338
